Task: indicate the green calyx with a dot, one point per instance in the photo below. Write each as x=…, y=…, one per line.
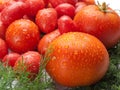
x=103, y=7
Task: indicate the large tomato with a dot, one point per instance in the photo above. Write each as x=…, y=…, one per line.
x=76, y=59
x=100, y=21
x=22, y=35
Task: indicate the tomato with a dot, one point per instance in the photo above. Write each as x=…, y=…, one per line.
x=34, y=6
x=46, y=2
x=104, y=23
x=46, y=40
x=66, y=24
x=89, y=1
x=10, y=59
x=2, y=29
x=3, y=48
x=79, y=6
x=14, y=11
x=22, y=35
x=55, y=3
x=65, y=9
x=29, y=62
x=4, y=3
x=76, y=59
x=46, y=19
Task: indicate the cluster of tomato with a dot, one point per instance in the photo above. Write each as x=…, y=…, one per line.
x=73, y=34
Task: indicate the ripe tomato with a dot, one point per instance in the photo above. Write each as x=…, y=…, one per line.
x=3, y=48
x=66, y=24
x=10, y=59
x=29, y=62
x=65, y=9
x=2, y=29
x=104, y=24
x=88, y=1
x=79, y=6
x=55, y=3
x=46, y=40
x=14, y=11
x=22, y=35
x=34, y=6
x=77, y=59
x=4, y=3
x=46, y=19
x=46, y=2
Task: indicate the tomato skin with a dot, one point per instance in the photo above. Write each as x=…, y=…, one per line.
x=66, y=24
x=46, y=19
x=65, y=9
x=10, y=59
x=105, y=26
x=55, y=3
x=12, y=12
x=88, y=1
x=46, y=40
x=4, y=3
x=2, y=29
x=22, y=35
x=3, y=48
x=31, y=61
x=33, y=6
x=46, y=2
x=79, y=6
x=77, y=59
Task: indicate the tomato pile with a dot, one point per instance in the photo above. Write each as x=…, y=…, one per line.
x=72, y=36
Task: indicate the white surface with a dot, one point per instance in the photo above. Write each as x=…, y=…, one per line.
x=114, y=4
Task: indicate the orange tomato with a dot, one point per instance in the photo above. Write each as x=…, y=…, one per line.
x=103, y=23
x=22, y=35
x=76, y=59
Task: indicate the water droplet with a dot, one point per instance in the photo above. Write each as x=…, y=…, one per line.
x=53, y=58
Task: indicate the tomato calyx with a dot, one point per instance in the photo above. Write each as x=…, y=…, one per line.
x=103, y=7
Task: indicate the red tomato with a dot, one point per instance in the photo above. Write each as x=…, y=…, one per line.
x=79, y=6
x=2, y=29
x=66, y=24
x=46, y=19
x=3, y=48
x=65, y=9
x=46, y=2
x=14, y=11
x=104, y=24
x=10, y=59
x=4, y=3
x=34, y=6
x=57, y=2
x=29, y=62
x=88, y=1
x=46, y=40
x=22, y=35
x=76, y=59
